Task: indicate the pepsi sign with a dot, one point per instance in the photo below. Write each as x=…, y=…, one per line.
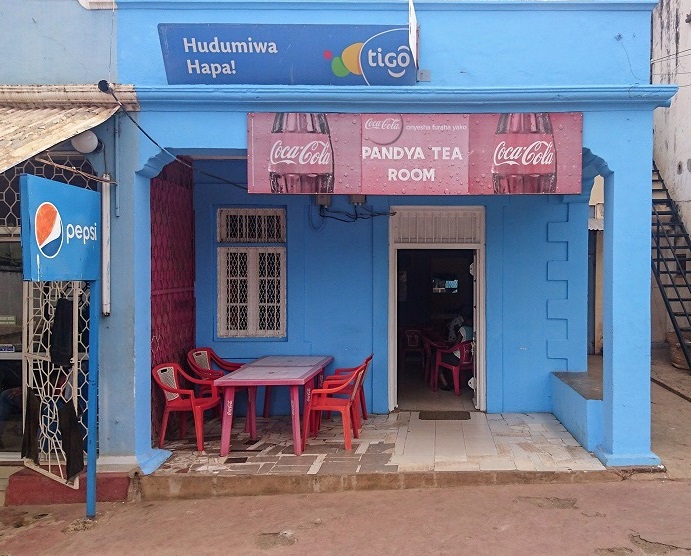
x=60, y=230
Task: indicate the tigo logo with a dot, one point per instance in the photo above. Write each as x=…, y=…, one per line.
x=48, y=230
x=348, y=62
x=382, y=59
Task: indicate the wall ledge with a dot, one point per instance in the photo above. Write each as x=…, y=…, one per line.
x=387, y=5
x=417, y=98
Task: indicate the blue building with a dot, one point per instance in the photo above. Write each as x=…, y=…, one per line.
x=342, y=268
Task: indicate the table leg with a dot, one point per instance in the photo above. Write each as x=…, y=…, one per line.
x=227, y=423
x=312, y=426
x=252, y=411
x=295, y=415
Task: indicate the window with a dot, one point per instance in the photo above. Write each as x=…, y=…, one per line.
x=251, y=277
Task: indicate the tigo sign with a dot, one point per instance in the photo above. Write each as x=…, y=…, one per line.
x=227, y=54
x=60, y=230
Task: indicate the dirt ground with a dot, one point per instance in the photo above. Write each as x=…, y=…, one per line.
x=646, y=514
x=629, y=517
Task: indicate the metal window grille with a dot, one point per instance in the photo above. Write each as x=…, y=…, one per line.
x=439, y=225
x=251, y=279
x=251, y=226
x=251, y=292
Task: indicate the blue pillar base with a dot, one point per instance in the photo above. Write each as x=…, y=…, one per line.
x=152, y=459
x=627, y=460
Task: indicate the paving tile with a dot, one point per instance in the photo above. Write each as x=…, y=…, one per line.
x=497, y=464
x=338, y=468
x=449, y=442
x=397, y=442
x=455, y=466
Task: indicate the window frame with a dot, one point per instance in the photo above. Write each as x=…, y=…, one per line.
x=253, y=293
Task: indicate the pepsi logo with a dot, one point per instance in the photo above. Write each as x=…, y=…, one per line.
x=48, y=230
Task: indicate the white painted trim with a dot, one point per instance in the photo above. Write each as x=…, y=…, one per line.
x=479, y=324
x=480, y=331
x=97, y=4
x=393, y=321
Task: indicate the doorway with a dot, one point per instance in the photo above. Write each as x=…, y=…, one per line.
x=436, y=263
x=435, y=301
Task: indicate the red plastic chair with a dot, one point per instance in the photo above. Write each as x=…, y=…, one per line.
x=465, y=363
x=410, y=341
x=170, y=377
x=207, y=364
x=430, y=347
x=339, y=375
x=327, y=399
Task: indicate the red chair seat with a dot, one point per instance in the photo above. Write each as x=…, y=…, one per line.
x=339, y=374
x=327, y=399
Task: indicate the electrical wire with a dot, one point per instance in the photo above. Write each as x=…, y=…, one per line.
x=680, y=54
x=72, y=169
x=349, y=217
x=324, y=212
x=104, y=86
x=313, y=225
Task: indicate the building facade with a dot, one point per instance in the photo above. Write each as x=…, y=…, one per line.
x=212, y=244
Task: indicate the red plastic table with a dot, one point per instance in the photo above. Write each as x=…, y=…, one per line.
x=273, y=370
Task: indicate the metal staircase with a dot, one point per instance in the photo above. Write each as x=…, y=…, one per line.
x=671, y=250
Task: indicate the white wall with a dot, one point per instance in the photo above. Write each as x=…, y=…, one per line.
x=671, y=63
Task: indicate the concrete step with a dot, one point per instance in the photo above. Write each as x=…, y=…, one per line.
x=26, y=486
x=5, y=472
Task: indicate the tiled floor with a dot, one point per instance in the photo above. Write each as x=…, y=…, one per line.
x=397, y=442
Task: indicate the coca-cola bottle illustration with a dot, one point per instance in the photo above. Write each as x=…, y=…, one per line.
x=525, y=159
x=301, y=157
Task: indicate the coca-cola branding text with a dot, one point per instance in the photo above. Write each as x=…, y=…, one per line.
x=386, y=123
x=383, y=130
x=314, y=153
x=537, y=153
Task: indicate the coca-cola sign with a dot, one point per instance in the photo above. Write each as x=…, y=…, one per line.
x=416, y=154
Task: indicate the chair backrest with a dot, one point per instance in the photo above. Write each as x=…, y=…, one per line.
x=358, y=377
x=412, y=338
x=427, y=344
x=466, y=349
x=366, y=364
x=200, y=357
x=166, y=374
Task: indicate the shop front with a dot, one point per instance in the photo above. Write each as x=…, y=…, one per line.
x=342, y=182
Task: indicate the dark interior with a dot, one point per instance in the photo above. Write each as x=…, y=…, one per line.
x=434, y=286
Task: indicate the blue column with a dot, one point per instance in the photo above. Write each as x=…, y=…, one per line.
x=125, y=335
x=626, y=298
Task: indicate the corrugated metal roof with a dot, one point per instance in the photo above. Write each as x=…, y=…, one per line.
x=29, y=131
x=34, y=118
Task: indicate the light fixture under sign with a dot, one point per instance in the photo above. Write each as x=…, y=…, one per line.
x=86, y=142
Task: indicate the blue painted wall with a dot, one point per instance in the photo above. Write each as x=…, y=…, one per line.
x=332, y=297
x=488, y=44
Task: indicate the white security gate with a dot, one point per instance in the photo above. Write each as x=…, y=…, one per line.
x=53, y=385
x=439, y=228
